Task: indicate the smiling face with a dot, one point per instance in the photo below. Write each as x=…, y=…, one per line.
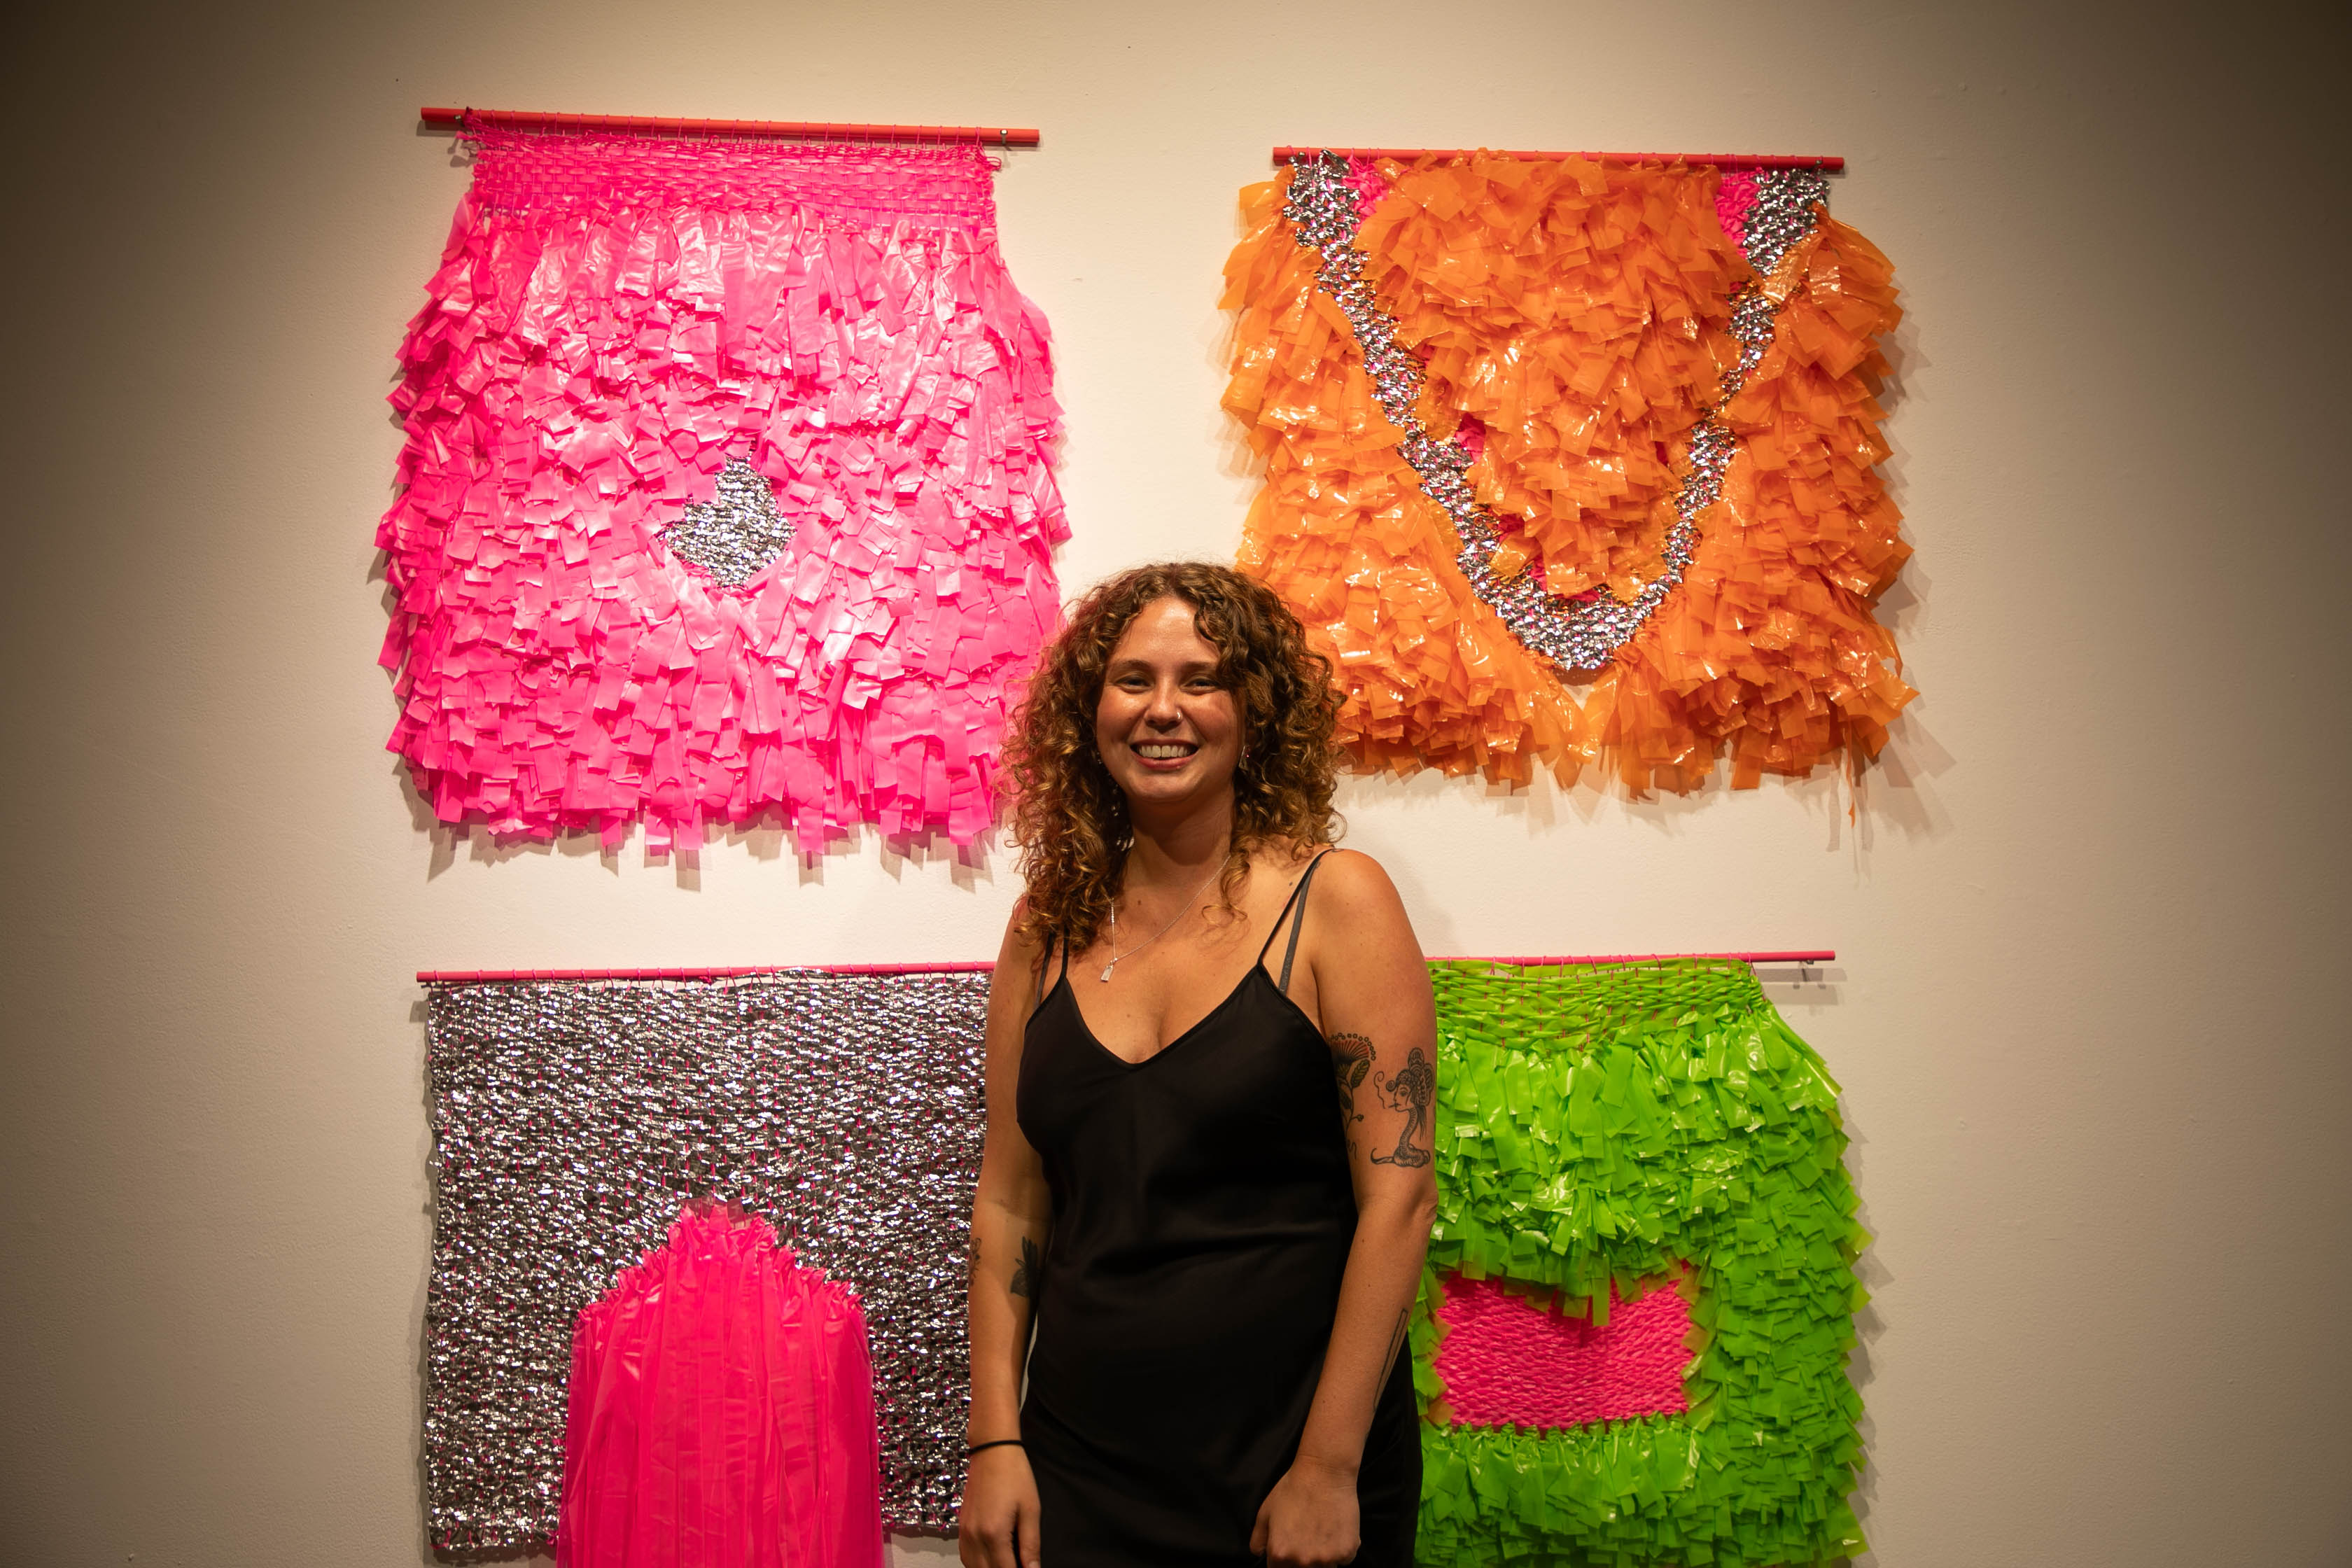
x=1168, y=730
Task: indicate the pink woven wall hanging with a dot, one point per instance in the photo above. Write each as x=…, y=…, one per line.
x=726, y=496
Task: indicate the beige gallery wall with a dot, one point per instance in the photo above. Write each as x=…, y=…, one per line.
x=2090, y=1005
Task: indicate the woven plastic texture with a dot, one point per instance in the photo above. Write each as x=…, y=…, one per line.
x=1603, y=1133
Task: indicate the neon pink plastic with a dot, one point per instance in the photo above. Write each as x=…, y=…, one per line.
x=614, y=319
x=722, y=1411
x=1370, y=185
x=1509, y=1364
x=1735, y=198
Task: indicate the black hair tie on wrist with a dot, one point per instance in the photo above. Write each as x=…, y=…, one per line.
x=1000, y=1442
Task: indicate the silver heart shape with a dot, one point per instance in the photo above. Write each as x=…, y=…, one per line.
x=737, y=533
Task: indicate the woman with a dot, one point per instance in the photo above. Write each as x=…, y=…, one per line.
x=1219, y=1259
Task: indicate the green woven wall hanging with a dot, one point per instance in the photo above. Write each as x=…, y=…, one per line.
x=1605, y=1133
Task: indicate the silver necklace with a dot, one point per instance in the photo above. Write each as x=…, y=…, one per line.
x=1181, y=911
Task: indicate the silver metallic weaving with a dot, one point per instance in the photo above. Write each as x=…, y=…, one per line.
x=571, y=1121
x=737, y=532
x=1581, y=633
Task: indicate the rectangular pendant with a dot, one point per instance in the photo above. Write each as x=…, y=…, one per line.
x=1107, y=968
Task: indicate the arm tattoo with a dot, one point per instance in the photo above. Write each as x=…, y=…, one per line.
x=1028, y=1271
x=1351, y=1058
x=1410, y=1089
x=1396, y=1340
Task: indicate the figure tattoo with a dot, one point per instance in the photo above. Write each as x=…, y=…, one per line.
x=1410, y=1089
x=1351, y=1058
x=1028, y=1270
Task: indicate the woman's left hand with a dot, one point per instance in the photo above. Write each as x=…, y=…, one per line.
x=1310, y=1520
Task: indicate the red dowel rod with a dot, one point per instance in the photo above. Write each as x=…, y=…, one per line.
x=1719, y=160
x=511, y=977
x=654, y=125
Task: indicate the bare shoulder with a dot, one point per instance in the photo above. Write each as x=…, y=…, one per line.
x=1020, y=959
x=1016, y=945
x=1352, y=882
x=1371, y=976
x=1358, y=911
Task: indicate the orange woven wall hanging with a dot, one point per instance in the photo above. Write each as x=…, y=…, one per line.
x=1573, y=462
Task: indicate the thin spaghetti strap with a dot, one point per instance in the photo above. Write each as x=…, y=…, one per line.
x=1275, y=929
x=1290, y=953
x=1045, y=992
x=1297, y=900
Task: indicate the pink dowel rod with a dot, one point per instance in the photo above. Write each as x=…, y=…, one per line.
x=1824, y=162
x=1794, y=955
x=497, y=977
x=655, y=125
x=503, y=977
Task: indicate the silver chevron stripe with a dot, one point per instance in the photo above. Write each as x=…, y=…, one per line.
x=1581, y=634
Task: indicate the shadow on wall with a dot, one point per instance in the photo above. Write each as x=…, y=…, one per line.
x=1895, y=792
x=1868, y=1325
x=970, y=867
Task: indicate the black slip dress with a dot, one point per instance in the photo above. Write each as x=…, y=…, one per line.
x=1201, y=1216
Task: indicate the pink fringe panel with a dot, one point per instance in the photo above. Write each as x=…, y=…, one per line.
x=615, y=320
x=1507, y=1362
x=721, y=1412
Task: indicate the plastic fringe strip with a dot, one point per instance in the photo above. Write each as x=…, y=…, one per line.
x=1608, y=1129
x=1524, y=422
x=720, y=1411
x=726, y=496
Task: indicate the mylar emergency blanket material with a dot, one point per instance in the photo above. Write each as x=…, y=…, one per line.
x=1573, y=462
x=1633, y=1330
x=726, y=495
x=721, y=1411
x=572, y=1119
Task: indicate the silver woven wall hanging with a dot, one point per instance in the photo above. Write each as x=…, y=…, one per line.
x=571, y=1120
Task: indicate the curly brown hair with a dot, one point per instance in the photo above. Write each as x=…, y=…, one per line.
x=1069, y=818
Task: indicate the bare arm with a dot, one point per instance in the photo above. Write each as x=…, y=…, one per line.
x=1371, y=989
x=1011, y=1212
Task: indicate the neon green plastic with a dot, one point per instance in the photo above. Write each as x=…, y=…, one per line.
x=1644, y=1124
